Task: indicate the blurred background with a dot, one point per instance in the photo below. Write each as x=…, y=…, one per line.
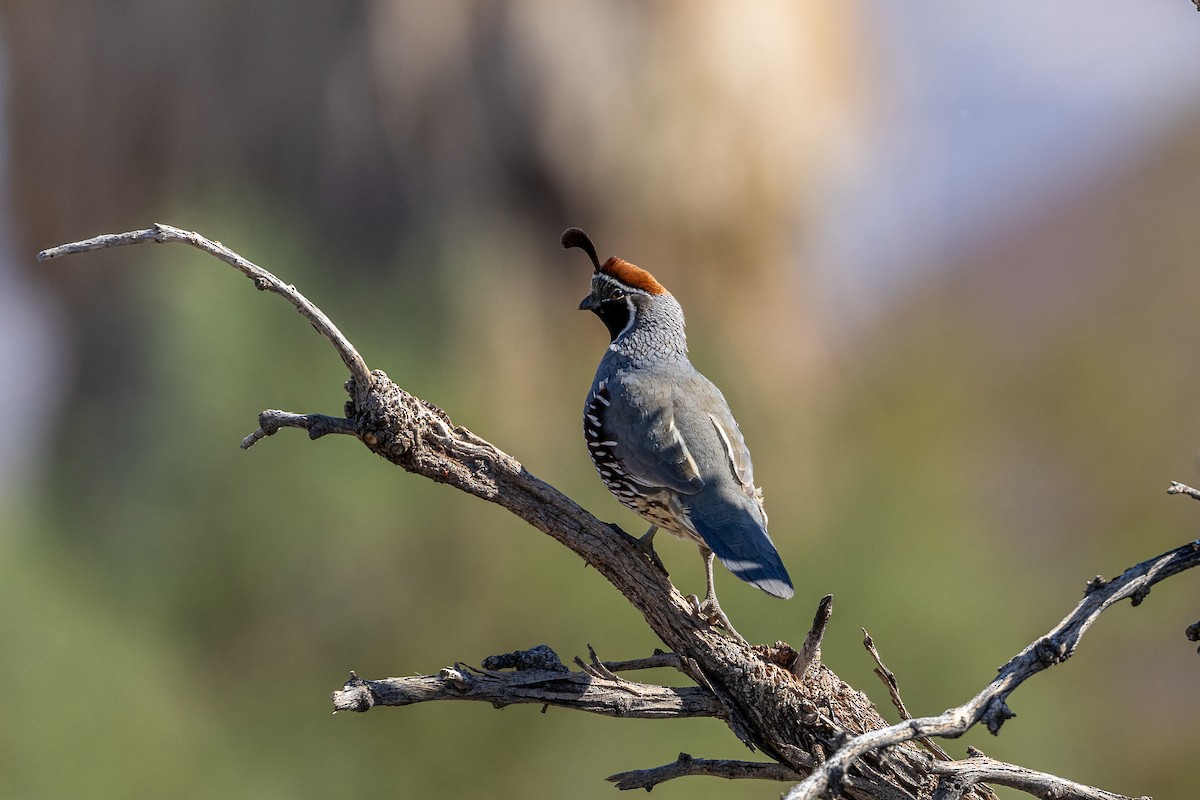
x=939, y=256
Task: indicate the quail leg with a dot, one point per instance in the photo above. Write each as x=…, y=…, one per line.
x=645, y=545
x=709, y=609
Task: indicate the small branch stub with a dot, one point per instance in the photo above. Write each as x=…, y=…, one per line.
x=810, y=651
x=272, y=421
x=356, y=695
x=1182, y=488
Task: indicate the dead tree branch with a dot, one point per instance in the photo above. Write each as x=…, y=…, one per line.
x=686, y=765
x=544, y=684
x=960, y=776
x=263, y=280
x=784, y=703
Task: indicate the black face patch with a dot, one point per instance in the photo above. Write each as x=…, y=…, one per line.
x=614, y=314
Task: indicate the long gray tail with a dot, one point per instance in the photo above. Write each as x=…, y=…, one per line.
x=733, y=531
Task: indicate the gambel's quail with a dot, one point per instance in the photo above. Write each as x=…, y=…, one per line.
x=661, y=434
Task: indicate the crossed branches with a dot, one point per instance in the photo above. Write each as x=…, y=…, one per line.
x=813, y=727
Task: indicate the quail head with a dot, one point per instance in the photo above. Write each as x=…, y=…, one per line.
x=662, y=436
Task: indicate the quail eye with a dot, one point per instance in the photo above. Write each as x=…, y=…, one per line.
x=617, y=294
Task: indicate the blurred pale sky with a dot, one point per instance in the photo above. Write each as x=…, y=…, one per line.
x=30, y=347
x=981, y=116
x=987, y=115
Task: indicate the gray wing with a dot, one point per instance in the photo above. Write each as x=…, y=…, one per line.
x=712, y=434
x=641, y=431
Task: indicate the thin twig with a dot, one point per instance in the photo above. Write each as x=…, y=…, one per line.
x=596, y=668
x=263, y=280
x=686, y=765
x=956, y=788
x=989, y=705
x=659, y=659
x=893, y=686
x=271, y=422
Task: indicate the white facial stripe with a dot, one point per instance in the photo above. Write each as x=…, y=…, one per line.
x=613, y=282
x=632, y=316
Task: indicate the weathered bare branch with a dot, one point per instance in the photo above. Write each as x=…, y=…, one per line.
x=263, y=280
x=960, y=775
x=687, y=765
x=544, y=684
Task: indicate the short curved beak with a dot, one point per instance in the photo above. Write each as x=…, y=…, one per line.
x=588, y=304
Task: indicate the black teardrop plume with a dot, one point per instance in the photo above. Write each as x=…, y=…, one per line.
x=575, y=237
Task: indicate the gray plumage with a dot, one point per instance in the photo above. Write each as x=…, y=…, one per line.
x=662, y=436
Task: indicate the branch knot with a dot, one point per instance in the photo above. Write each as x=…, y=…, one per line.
x=356, y=695
x=457, y=678
x=1050, y=652
x=997, y=714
